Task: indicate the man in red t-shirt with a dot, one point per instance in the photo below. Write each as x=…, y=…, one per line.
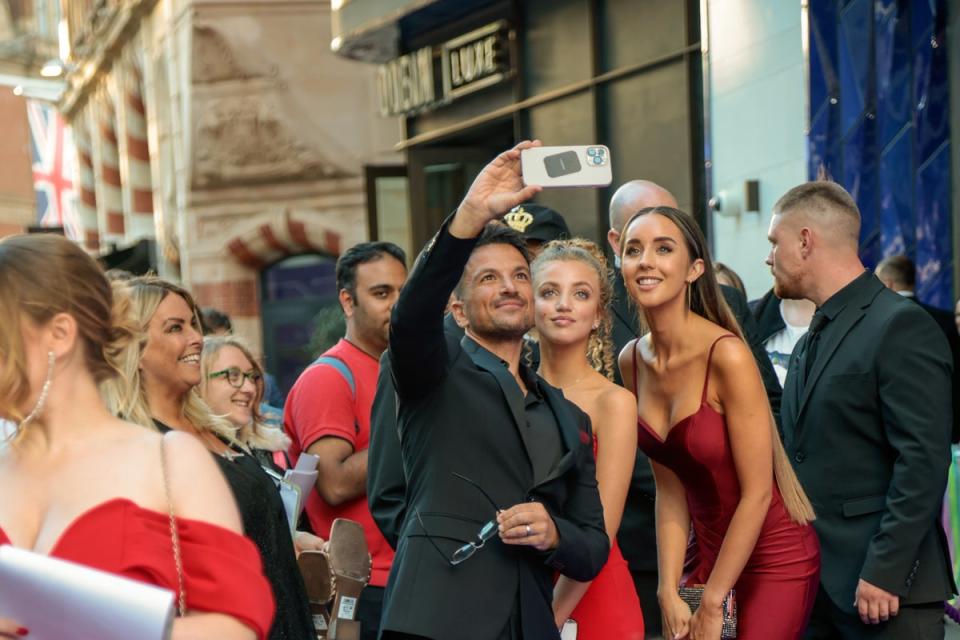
x=327, y=413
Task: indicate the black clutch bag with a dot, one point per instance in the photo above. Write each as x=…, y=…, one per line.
x=693, y=594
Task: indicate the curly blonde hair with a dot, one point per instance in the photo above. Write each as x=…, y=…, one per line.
x=600, y=347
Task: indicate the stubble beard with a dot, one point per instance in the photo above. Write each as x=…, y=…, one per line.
x=786, y=288
x=502, y=330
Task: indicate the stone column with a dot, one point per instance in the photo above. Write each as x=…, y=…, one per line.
x=86, y=182
x=106, y=167
x=134, y=150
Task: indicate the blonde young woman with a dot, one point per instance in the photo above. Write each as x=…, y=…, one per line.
x=232, y=385
x=78, y=484
x=158, y=389
x=572, y=292
x=717, y=459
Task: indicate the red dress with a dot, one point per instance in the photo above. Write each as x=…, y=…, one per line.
x=778, y=585
x=610, y=608
x=222, y=569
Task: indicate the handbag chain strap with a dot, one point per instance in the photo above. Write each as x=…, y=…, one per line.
x=174, y=534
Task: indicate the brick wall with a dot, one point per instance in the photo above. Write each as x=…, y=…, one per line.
x=16, y=176
x=236, y=298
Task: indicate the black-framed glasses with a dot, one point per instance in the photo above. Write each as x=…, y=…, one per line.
x=486, y=532
x=235, y=377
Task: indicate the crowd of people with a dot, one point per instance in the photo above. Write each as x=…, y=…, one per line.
x=535, y=440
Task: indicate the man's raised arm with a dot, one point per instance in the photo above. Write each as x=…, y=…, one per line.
x=418, y=354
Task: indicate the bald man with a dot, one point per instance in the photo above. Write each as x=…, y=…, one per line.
x=637, y=536
x=866, y=422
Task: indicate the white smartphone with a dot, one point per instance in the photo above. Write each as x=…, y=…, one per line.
x=571, y=166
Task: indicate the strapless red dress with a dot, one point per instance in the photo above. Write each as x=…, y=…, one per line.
x=778, y=585
x=610, y=608
x=222, y=571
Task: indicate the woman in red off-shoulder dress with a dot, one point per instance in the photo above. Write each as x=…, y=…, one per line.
x=572, y=293
x=78, y=484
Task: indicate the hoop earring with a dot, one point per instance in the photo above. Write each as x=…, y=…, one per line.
x=44, y=391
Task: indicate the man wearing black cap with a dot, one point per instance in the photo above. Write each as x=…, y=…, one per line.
x=538, y=225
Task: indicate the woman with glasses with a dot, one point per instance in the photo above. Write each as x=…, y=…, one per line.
x=232, y=385
x=158, y=389
x=78, y=484
x=572, y=291
x=717, y=459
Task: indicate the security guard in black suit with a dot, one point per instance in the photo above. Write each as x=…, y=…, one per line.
x=501, y=490
x=866, y=420
x=898, y=273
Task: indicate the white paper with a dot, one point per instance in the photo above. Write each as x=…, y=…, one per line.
x=304, y=480
x=569, y=630
x=307, y=462
x=292, y=503
x=60, y=600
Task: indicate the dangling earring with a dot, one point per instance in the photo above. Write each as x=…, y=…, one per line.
x=44, y=391
x=689, y=296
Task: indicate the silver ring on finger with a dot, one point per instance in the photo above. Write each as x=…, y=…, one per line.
x=529, y=531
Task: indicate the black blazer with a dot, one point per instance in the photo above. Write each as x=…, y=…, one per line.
x=459, y=410
x=945, y=321
x=766, y=312
x=386, y=480
x=869, y=437
x=638, y=535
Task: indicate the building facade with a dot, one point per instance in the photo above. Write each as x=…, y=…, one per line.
x=27, y=40
x=226, y=145
x=468, y=78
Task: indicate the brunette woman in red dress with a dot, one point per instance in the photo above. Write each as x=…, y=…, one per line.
x=79, y=484
x=705, y=423
x=572, y=290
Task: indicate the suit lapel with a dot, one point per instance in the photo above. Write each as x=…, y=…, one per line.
x=844, y=323
x=511, y=390
x=791, y=396
x=846, y=320
x=569, y=432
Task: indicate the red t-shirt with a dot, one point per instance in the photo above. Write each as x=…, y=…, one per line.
x=320, y=404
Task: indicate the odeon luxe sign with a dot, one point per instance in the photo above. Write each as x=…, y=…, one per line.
x=438, y=74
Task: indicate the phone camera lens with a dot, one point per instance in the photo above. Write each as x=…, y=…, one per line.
x=591, y=151
x=597, y=160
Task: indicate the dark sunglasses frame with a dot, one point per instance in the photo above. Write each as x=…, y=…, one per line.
x=486, y=532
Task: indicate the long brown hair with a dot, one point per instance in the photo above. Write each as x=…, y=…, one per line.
x=42, y=275
x=705, y=299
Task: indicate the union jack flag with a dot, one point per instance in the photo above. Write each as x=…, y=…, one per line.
x=54, y=170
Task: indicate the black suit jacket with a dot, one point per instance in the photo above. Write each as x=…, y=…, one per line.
x=386, y=480
x=766, y=311
x=945, y=321
x=869, y=437
x=460, y=410
x=638, y=535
